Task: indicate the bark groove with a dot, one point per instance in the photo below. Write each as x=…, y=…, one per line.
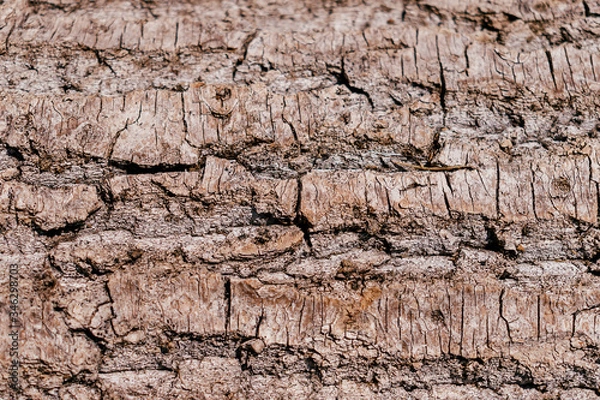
x=305, y=199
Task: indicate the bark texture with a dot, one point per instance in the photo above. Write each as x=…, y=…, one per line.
x=301, y=199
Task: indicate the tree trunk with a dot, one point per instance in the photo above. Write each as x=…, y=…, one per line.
x=300, y=200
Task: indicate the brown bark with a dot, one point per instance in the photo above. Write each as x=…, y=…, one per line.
x=308, y=200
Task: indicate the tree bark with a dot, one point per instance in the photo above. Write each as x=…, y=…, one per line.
x=307, y=200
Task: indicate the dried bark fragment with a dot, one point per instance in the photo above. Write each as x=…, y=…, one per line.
x=50, y=209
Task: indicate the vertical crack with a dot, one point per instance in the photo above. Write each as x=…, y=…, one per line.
x=467, y=60
x=300, y=220
x=183, y=112
x=112, y=308
x=570, y=66
x=447, y=202
x=501, y=313
x=7, y=40
x=538, y=317
x=288, y=123
x=551, y=66
x=532, y=185
x=261, y=318
x=415, y=55
x=442, y=81
x=227, y=297
x=498, y=214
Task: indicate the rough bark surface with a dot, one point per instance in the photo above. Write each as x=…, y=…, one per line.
x=301, y=199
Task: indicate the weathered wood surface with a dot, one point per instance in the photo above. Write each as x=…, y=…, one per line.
x=308, y=200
